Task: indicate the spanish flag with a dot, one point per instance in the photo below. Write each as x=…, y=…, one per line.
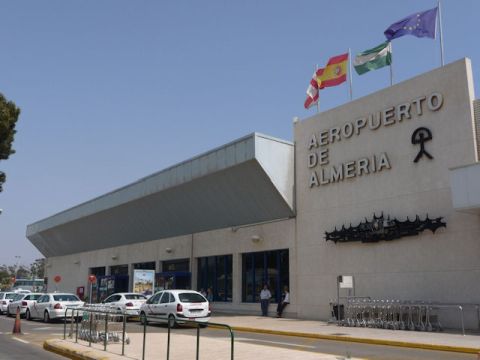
x=334, y=73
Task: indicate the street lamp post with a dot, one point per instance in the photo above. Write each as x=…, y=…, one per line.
x=16, y=264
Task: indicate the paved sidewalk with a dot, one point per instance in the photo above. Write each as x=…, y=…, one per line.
x=183, y=345
x=322, y=330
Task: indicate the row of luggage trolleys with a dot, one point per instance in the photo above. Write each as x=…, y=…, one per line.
x=100, y=323
x=391, y=314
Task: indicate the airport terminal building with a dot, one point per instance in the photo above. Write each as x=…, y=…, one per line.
x=385, y=188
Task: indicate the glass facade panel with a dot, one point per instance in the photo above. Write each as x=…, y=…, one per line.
x=176, y=265
x=215, y=272
x=145, y=266
x=266, y=267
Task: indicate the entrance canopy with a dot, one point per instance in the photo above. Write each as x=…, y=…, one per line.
x=247, y=181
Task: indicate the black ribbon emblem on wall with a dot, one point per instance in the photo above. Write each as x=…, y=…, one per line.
x=420, y=136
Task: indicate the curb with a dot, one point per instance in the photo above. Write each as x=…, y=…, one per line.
x=71, y=353
x=405, y=344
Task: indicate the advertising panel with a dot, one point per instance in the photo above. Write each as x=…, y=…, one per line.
x=143, y=281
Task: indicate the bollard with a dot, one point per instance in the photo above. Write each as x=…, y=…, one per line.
x=90, y=335
x=198, y=341
x=16, y=326
x=144, y=337
x=168, y=341
x=123, y=333
x=106, y=333
x=76, y=328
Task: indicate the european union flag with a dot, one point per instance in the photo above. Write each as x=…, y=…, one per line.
x=421, y=24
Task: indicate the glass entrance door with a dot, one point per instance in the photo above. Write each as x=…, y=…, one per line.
x=173, y=280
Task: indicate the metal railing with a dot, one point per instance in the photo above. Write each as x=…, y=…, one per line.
x=192, y=323
x=91, y=316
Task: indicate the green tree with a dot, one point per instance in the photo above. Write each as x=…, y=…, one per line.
x=9, y=113
x=37, y=269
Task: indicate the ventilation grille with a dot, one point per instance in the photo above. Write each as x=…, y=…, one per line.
x=476, y=112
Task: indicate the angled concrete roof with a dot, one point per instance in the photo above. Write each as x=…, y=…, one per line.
x=247, y=181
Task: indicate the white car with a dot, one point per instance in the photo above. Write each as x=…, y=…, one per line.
x=52, y=306
x=5, y=298
x=21, y=302
x=175, y=305
x=129, y=303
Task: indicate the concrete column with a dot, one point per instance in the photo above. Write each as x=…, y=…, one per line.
x=237, y=278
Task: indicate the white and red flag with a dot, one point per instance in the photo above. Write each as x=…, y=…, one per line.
x=313, y=89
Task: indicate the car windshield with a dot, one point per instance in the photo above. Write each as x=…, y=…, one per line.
x=191, y=298
x=34, y=297
x=10, y=296
x=18, y=297
x=65, y=297
x=135, y=297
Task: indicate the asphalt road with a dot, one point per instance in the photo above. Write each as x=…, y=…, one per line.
x=22, y=347
x=35, y=332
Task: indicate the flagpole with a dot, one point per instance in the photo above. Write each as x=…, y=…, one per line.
x=441, y=31
x=318, y=91
x=391, y=62
x=350, y=73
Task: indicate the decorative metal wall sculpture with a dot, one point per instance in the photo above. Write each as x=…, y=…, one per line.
x=381, y=228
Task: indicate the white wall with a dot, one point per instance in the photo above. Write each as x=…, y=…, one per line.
x=440, y=267
x=74, y=269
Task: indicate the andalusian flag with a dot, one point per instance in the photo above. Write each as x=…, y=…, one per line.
x=373, y=59
x=334, y=73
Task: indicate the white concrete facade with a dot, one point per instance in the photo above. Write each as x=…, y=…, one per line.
x=434, y=267
x=440, y=267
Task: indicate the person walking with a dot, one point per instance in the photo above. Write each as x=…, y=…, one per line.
x=284, y=302
x=265, y=296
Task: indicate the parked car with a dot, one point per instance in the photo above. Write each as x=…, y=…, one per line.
x=21, y=302
x=52, y=306
x=129, y=303
x=174, y=306
x=5, y=298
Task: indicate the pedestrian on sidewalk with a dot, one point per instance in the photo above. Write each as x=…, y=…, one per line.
x=209, y=294
x=284, y=302
x=265, y=296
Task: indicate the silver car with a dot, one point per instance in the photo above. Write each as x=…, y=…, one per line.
x=53, y=306
x=5, y=298
x=174, y=306
x=129, y=303
x=21, y=302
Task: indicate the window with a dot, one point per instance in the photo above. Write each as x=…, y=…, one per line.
x=144, y=266
x=113, y=298
x=165, y=298
x=266, y=267
x=154, y=299
x=98, y=271
x=191, y=298
x=119, y=270
x=65, y=297
x=176, y=265
x=215, y=272
x=135, y=297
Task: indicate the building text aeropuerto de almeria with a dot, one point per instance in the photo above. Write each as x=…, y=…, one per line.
x=322, y=173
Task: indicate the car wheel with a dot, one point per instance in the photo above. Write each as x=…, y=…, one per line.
x=8, y=312
x=172, y=323
x=143, y=318
x=46, y=317
x=27, y=315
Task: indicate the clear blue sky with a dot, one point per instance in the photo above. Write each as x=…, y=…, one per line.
x=114, y=90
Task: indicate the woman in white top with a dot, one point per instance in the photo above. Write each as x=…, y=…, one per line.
x=284, y=302
x=265, y=296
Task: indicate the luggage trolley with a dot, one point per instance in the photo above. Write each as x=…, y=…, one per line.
x=99, y=326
